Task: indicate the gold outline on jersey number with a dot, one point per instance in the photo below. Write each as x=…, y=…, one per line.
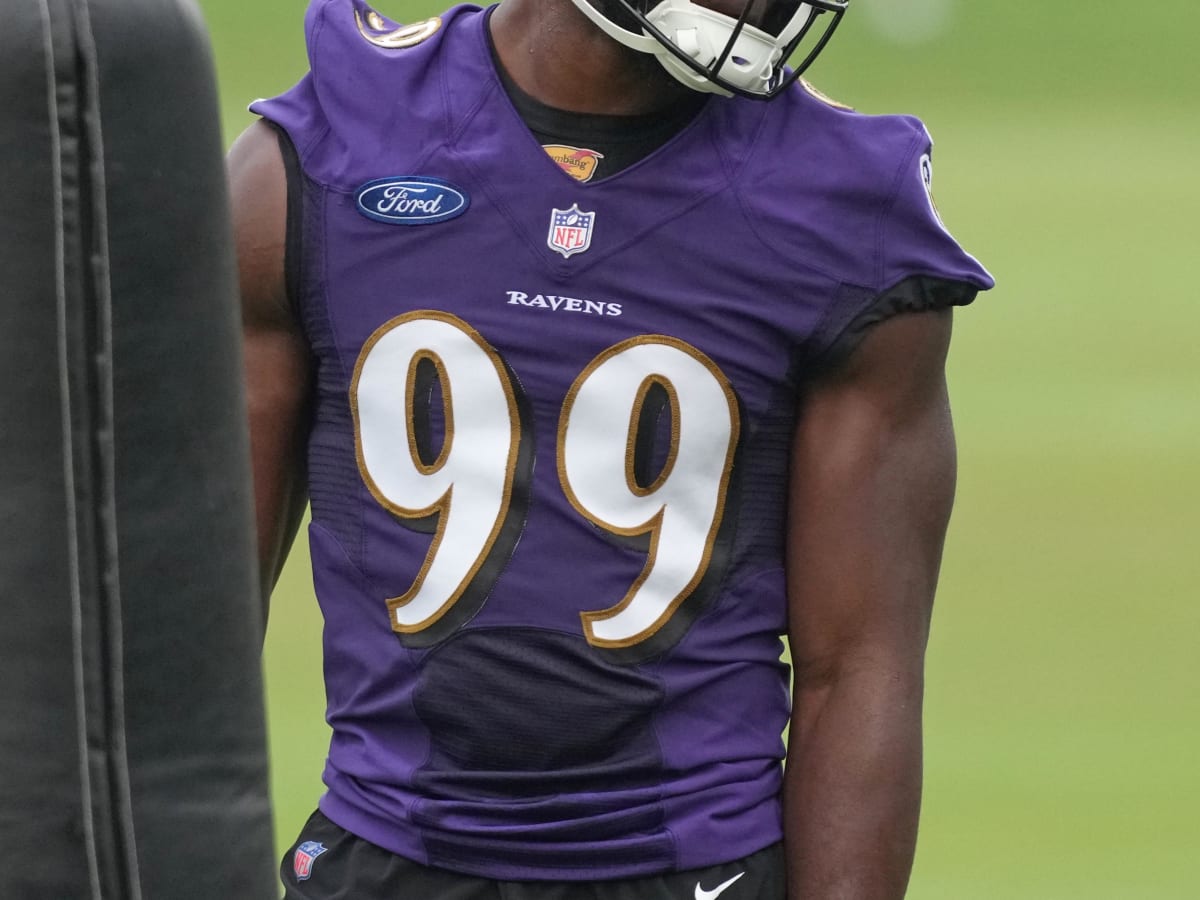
x=439, y=507
x=590, y=617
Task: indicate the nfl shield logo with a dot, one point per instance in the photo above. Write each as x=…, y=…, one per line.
x=570, y=230
x=306, y=855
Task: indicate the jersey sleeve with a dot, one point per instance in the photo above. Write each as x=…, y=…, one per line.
x=297, y=113
x=337, y=113
x=912, y=239
x=919, y=264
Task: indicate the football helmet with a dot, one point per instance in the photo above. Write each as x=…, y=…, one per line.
x=712, y=51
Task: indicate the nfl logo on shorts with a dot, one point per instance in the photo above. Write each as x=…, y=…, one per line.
x=570, y=230
x=306, y=855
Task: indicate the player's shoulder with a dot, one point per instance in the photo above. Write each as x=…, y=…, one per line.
x=844, y=192
x=364, y=68
x=361, y=26
x=350, y=37
x=863, y=148
x=809, y=158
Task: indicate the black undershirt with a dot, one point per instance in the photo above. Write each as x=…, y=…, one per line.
x=620, y=141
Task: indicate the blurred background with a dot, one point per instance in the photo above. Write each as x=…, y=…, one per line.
x=1063, y=716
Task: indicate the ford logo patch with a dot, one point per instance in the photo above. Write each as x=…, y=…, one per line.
x=411, y=200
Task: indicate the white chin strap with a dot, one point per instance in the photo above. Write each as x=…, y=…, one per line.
x=702, y=35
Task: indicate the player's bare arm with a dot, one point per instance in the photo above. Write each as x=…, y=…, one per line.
x=278, y=379
x=873, y=475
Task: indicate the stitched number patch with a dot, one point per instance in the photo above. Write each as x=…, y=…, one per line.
x=682, y=507
x=470, y=484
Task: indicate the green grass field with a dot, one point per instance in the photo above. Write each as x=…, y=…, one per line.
x=1064, y=681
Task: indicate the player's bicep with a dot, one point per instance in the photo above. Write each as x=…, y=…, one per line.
x=258, y=194
x=276, y=356
x=872, y=483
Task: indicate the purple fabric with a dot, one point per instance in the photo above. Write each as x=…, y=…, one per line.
x=511, y=747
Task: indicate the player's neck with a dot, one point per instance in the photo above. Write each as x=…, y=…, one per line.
x=554, y=54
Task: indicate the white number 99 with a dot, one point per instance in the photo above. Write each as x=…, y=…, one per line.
x=469, y=486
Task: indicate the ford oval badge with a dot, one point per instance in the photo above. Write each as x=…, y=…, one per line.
x=411, y=200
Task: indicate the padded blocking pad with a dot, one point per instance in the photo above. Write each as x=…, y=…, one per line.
x=132, y=748
x=40, y=778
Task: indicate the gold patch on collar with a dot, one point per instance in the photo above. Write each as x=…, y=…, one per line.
x=577, y=162
x=375, y=31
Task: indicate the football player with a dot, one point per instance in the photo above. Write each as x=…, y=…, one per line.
x=601, y=375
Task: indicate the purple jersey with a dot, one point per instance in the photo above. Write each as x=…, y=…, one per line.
x=548, y=459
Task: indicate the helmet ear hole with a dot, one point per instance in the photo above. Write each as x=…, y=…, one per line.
x=688, y=41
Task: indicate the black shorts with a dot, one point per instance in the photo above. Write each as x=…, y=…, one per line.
x=329, y=863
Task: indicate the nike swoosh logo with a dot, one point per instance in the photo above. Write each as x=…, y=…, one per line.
x=702, y=894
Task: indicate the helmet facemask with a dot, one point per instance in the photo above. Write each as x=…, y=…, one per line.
x=717, y=53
